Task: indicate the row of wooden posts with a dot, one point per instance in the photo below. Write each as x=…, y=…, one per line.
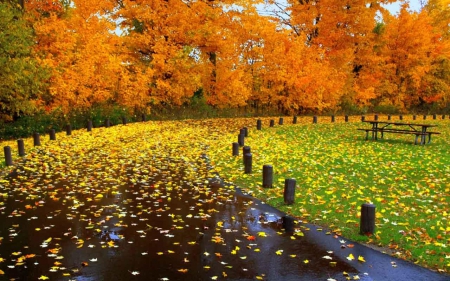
x=52, y=135
x=367, y=222
x=107, y=123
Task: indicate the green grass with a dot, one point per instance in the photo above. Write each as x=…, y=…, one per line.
x=335, y=168
x=337, y=171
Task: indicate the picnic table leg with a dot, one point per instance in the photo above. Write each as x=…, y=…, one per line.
x=367, y=134
x=375, y=131
x=415, y=140
x=429, y=137
x=422, y=139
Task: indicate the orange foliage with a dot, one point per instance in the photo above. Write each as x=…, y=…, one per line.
x=308, y=60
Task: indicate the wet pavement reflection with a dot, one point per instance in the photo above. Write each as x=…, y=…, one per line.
x=166, y=220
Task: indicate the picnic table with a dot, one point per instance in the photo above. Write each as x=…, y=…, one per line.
x=419, y=130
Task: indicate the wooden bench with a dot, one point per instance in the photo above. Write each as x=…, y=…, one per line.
x=419, y=130
x=382, y=131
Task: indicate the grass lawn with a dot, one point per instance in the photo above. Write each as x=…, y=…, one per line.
x=337, y=171
x=335, y=168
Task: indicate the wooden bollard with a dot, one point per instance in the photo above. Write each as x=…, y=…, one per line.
x=281, y=121
x=248, y=163
x=36, y=139
x=314, y=119
x=52, y=134
x=235, y=148
x=124, y=120
x=69, y=130
x=242, y=132
x=241, y=138
x=245, y=150
x=375, y=117
x=107, y=123
x=245, y=131
x=289, y=191
x=272, y=123
x=8, y=156
x=333, y=118
x=288, y=224
x=143, y=117
x=363, y=118
x=367, y=225
x=424, y=117
x=89, y=126
x=294, y=120
x=21, y=147
x=434, y=116
x=346, y=118
x=443, y=116
x=267, y=176
x=414, y=117
x=389, y=117
x=258, y=124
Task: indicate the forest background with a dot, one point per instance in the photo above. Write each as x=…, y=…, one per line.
x=73, y=60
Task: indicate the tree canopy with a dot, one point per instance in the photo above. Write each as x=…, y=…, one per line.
x=306, y=56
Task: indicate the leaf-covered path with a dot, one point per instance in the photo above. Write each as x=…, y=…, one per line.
x=137, y=202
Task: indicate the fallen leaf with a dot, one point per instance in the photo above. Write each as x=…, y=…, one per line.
x=350, y=257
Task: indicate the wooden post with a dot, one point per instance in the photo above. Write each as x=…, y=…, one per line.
x=401, y=117
x=235, y=149
x=242, y=132
x=8, y=156
x=333, y=118
x=281, y=121
x=36, y=139
x=346, y=118
x=288, y=224
x=144, y=117
x=443, y=116
x=107, y=123
x=363, y=118
x=367, y=225
x=294, y=121
x=414, y=117
x=434, y=116
x=21, y=147
x=314, y=119
x=289, y=191
x=89, y=125
x=389, y=117
x=267, y=176
x=69, y=130
x=424, y=117
x=272, y=123
x=52, y=134
x=245, y=131
x=258, y=124
x=241, y=139
x=245, y=150
x=248, y=163
x=375, y=117
x=124, y=120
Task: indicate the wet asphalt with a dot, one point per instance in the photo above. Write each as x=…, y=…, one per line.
x=183, y=229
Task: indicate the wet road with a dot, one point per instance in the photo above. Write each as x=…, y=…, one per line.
x=166, y=221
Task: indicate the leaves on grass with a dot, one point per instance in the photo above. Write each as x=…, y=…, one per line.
x=117, y=178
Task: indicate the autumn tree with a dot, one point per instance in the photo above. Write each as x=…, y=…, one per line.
x=22, y=79
x=408, y=48
x=77, y=43
x=307, y=56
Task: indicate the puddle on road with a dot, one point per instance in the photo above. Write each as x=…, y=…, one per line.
x=163, y=222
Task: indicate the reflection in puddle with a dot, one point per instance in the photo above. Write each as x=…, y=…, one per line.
x=159, y=220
